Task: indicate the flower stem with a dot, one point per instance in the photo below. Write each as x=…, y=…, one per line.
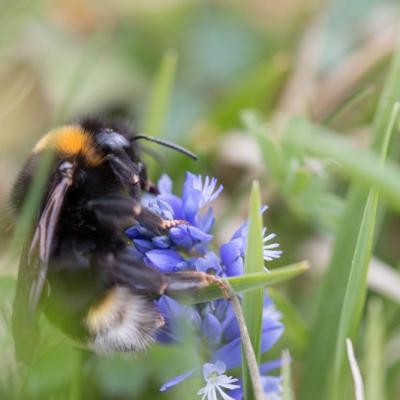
x=246, y=343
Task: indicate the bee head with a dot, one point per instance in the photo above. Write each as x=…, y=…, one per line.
x=122, y=153
x=106, y=156
x=119, y=156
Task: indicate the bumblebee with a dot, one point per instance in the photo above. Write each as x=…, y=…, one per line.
x=78, y=267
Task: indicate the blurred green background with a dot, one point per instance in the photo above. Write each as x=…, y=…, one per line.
x=226, y=79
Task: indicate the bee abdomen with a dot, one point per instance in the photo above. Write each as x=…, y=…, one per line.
x=122, y=321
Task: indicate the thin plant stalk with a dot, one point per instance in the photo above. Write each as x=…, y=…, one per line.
x=355, y=371
x=251, y=360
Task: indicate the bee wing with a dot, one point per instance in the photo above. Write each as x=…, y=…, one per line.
x=39, y=252
x=33, y=270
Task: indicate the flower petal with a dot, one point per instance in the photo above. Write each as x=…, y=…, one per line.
x=175, y=203
x=174, y=381
x=212, y=330
x=162, y=208
x=230, y=326
x=229, y=354
x=178, y=319
x=206, y=221
x=269, y=366
x=165, y=260
x=272, y=331
x=208, y=263
x=272, y=385
x=187, y=236
x=164, y=184
x=143, y=245
x=230, y=251
x=231, y=256
x=162, y=242
x=138, y=232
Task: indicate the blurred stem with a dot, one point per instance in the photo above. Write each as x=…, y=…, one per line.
x=348, y=104
x=246, y=345
x=157, y=110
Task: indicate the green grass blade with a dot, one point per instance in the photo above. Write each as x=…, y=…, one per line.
x=249, y=282
x=287, y=377
x=253, y=301
x=314, y=381
x=156, y=114
x=357, y=285
x=374, y=350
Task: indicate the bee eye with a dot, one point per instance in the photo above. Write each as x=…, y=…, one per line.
x=112, y=140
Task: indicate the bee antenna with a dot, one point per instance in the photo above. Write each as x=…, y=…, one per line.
x=166, y=144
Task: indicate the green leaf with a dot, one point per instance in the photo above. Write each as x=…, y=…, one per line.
x=374, y=351
x=253, y=301
x=249, y=282
x=159, y=101
x=318, y=361
x=356, y=289
x=357, y=285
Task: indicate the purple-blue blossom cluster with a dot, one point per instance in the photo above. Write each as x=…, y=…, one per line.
x=188, y=247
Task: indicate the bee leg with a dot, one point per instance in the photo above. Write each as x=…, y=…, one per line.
x=130, y=272
x=186, y=282
x=155, y=223
x=151, y=187
x=121, y=212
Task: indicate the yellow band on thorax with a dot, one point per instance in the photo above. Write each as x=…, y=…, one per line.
x=70, y=141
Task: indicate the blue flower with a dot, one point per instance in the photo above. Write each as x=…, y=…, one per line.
x=195, y=196
x=193, y=236
x=187, y=246
x=187, y=236
x=217, y=382
x=232, y=253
